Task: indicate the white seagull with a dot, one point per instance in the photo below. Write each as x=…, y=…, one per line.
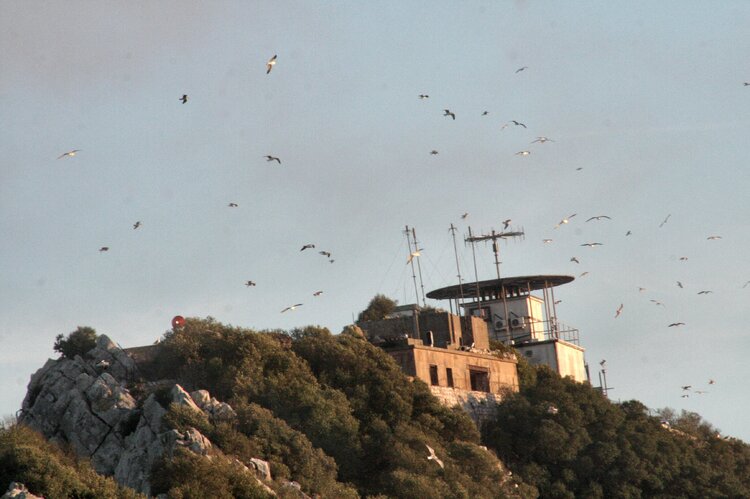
x=291, y=307
x=433, y=457
x=270, y=64
x=68, y=154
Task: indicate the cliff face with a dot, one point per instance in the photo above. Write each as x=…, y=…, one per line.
x=85, y=403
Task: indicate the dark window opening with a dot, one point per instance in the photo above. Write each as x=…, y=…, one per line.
x=480, y=380
x=434, y=376
x=449, y=376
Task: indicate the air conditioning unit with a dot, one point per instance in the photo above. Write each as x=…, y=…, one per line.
x=518, y=322
x=500, y=324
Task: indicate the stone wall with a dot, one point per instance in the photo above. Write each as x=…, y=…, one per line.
x=481, y=406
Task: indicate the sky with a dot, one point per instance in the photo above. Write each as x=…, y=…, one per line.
x=644, y=104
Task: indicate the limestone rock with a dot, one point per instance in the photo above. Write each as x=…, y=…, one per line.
x=18, y=491
x=262, y=467
x=180, y=396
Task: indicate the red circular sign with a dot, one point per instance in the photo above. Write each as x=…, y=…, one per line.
x=178, y=321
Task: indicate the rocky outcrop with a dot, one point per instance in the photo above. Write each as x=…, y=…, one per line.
x=18, y=491
x=85, y=403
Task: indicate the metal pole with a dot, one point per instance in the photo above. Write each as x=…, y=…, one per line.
x=419, y=267
x=476, y=274
x=458, y=269
x=496, y=250
x=411, y=261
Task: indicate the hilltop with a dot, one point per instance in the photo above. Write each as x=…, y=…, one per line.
x=219, y=411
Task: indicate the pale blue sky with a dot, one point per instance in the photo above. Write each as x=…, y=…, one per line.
x=647, y=98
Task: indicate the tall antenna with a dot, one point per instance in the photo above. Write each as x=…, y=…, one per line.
x=419, y=266
x=474, y=257
x=458, y=269
x=407, y=231
x=493, y=236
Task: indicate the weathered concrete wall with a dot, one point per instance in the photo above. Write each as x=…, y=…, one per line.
x=481, y=406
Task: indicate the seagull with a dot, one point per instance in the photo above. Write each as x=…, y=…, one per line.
x=683, y=259
x=745, y=285
x=641, y=290
x=424, y=96
x=700, y=392
x=713, y=238
x=68, y=154
x=679, y=284
x=517, y=123
x=292, y=307
x=447, y=112
x=249, y=283
x=574, y=259
x=591, y=245
x=711, y=382
x=546, y=241
x=521, y=69
x=687, y=387
x=184, y=98
x=747, y=83
x=233, y=205
x=542, y=140
x=704, y=292
x=523, y=153
x=412, y=256
x=103, y=248
x=317, y=293
x=598, y=217
x=674, y=324
x=326, y=254
x=602, y=362
x=557, y=302
x=270, y=64
x=485, y=113
x=658, y=303
x=628, y=233
x=433, y=152
x=664, y=221
x=136, y=225
x=564, y=220
x=584, y=274
x=506, y=223
x=685, y=396
x=618, y=311
x=433, y=457
x=465, y=215
x=272, y=158
x=307, y=246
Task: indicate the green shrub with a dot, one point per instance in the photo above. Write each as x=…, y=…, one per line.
x=79, y=342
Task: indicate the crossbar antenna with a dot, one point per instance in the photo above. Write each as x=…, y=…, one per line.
x=494, y=236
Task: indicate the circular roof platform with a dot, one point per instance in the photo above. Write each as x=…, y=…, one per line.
x=509, y=285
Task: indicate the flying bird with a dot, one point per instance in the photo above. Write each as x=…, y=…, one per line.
x=745, y=285
x=272, y=158
x=687, y=387
x=413, y=255
x=713, y=238
x=523, y=153
x=747, y=83
x=233, y=205
x=317, y=293
x=521, y=69
x=700, y=392
x=136, y=225
x=447, y=112
x=602, y=362
x=584, y=274
x=103, y=364
x=618, y=311
x=683, y=259
x=506, y=223
x=485, y=113
x=270, y=64
x=641, y=290
x=424, y=96
x=658, y=303
x=574, y=259
x=104, y=248
x=628, y=233
x=326, y=254
x=564, y=220
x=517, y=123
x=249, y=283
x=685, y=396
x=307, y=246
x=184, y=98
x=704, y=292
x=591, y=245
x=599, y=217
x=68, y=154
x=546, y=241
x=679, y=284
x=433, y=457
x=675, y=324
x=433, y=152
x=291, y=307
x=541, y=140
x=664, y=221
x=711, y=382
x=465, y=215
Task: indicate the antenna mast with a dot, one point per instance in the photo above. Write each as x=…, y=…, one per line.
x=407, y=231
x=419, y=266
x=493, y=236
x=458, y=269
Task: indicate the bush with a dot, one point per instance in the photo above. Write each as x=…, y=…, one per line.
x=378, y=308
x=79, y=342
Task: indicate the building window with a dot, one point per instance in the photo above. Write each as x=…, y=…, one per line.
x=434, y=376
x=449, y=376
x=480, y=380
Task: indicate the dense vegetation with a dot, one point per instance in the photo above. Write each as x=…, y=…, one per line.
x=75, y=343
x=569, y=441
x=336, y=414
